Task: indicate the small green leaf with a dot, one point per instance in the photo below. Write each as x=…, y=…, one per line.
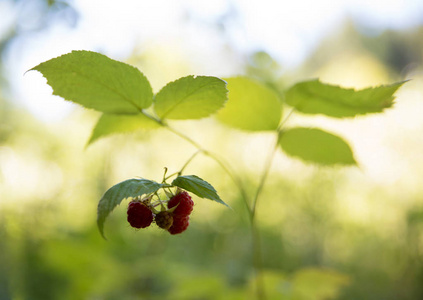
x=191, y=98
x=198, y=186
x=96, y=81
x=112, y=124
x=315, y=97
x=317, y=146
x=251, y=106
x=125, y=189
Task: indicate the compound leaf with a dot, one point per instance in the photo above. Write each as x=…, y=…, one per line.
x=251, y=106
x=317, y=146
x=112, y=124
x=125, y=189
x=315, y=97
x=95, y=81
x=190, y=98
x=198, y=186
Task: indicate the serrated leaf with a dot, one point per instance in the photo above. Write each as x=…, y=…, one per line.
x=315, y=97
x=125, y=189
x=317, y=146
x=190, y=98
x=251, y=106
x=95, y=81
x=112, y=124
x=198, y=186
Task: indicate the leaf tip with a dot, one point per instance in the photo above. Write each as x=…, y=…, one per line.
x=100, y=225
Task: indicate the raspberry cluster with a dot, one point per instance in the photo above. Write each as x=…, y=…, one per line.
x=174, y=218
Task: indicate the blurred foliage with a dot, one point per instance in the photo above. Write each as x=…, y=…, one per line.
x=51, y=249
x=313, y=246
x=35, y=15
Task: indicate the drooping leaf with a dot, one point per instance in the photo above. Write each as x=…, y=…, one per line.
x=251, y=106
x=190, y=98
x=317, y=146
x=125, y=189
x=198, y=186
x=315, y=97
x=111, y=124
x=96, y=81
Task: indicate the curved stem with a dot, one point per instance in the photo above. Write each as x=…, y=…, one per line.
x=251, y=209
x=220, y=162
x=264, y=175
x=183, y=136
x=235, y=179
x=257, y=254
x=268, y=163
x=187, y=162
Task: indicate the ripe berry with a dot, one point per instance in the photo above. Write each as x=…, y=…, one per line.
x=164, y=219
x=185, y=204
x=139, y=215
x=180, y=224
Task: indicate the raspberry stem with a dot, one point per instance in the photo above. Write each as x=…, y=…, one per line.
x=251, y=207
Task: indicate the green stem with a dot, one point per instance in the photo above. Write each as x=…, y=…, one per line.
x=187, y=162
x=257, y=262
x=183, y=136
x=268, y=163
x=251, y=209
x=235, y=179
x=219, y=161
x=264, y=175
x=257, y=253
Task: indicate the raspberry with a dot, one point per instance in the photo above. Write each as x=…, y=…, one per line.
x=139, y=215
x=180, y=224
x=185, y=204
x=164, y=220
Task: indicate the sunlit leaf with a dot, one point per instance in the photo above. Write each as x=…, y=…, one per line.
x=198, y=186
x=315, y=97
x=96, y=81
x=112, y=124
x=125, y=189
x=191, y=98
x=317, y=146
x=251, y=106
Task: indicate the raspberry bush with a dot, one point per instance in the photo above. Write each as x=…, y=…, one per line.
x=125, y=97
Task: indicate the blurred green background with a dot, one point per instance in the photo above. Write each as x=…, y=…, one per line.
x=327, y=233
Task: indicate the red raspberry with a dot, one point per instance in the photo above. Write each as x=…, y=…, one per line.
x=185, y=204
x=164, y=219
x=139, y=215
x=180, y=224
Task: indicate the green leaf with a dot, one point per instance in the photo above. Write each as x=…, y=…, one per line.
x=191, y=98
x=315, y=97
x=251, y=106
x=96, y=81
x=317, y=146
x=125, y=189
x=198, y=186
x=112, y=124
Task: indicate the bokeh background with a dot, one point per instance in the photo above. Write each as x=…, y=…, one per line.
x=342, y=233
